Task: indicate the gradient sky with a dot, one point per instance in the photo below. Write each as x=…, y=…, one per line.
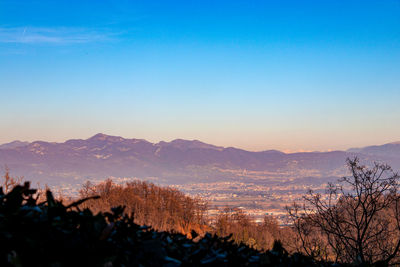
x=287, y=75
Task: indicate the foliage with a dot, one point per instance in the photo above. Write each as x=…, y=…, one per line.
x=244, y=229
x=167, y=209
x=53, y=234
x=163, y=208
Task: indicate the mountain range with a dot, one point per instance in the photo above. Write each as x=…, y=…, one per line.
x=178, y=161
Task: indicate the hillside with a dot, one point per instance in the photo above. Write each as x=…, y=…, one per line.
x=53, y=234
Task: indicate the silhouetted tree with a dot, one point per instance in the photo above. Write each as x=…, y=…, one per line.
x=358, y=221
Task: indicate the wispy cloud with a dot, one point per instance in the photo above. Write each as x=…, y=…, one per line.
x=59, y=35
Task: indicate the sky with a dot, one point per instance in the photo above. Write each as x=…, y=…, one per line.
x=258, y=75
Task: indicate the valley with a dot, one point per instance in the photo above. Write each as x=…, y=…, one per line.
x=260, y=183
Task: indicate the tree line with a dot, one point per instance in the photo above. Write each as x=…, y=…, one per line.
x=162, y=208
x=167, y=209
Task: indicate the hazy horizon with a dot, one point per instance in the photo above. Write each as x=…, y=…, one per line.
x=285, y=75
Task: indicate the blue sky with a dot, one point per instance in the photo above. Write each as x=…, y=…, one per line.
x=288, y=75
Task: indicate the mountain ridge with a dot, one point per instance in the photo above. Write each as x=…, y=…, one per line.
x=176, y=142
x=13, y=144
x=177, y=161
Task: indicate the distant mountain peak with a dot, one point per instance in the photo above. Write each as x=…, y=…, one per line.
x=14, y=144
x=394, y=143
x=188, y=144
x=386, y=150
x=359, y=149
x=105, y=137
x=99, y=136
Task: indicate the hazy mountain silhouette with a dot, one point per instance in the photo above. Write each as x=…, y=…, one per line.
x=177, y=161
x=390, y=150
x=13, y=144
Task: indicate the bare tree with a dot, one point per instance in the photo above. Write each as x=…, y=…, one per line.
x=163, y=208
x=9, y=182
x=357, y=221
